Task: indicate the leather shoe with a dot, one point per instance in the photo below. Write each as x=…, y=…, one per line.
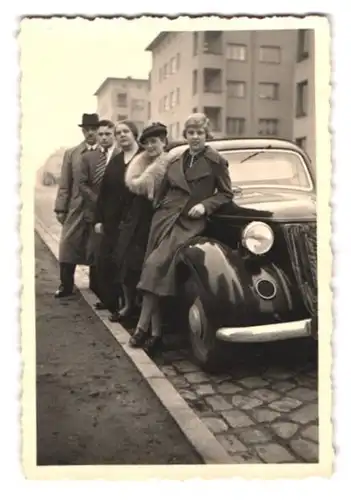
x=99, y=306
x=138, y=338
x=63, y=292
x=153, y=345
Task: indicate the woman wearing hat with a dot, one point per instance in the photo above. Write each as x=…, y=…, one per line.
x=142, y=178
x=194, y=185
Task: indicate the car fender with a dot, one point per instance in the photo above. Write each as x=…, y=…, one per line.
x=227, y=284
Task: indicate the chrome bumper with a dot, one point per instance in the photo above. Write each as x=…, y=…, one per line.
x=266, y=333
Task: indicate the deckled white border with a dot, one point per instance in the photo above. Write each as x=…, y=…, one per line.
x=9, y=295
x=323, y=157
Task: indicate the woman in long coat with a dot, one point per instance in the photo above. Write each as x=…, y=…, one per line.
x=143, y=177
x=111, y=209
x=195, y=185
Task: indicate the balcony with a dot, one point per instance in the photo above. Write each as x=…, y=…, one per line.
x=212, y=81
x=213, y=42
x=214, y=114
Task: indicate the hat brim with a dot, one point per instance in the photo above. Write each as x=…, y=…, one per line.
x=152, y=133
x=85, y=125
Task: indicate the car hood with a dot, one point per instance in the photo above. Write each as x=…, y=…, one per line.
x=277, y=204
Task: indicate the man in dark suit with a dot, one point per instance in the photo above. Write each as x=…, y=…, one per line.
x=92, y=172
x=69, y=207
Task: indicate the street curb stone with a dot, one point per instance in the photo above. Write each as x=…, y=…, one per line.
x=203, y=441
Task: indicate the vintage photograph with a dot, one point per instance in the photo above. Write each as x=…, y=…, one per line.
x=177, y=315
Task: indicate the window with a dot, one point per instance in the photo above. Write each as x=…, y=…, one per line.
x=121, y=117
x=178, y=96
x=177, y=130
x=301, y=99
x=172, y=99
x=166, y=103
x=194, y=82
x=148, y=110
x=268, y=91
x=195, y=43
x=165, y=71
x=302, y=45
x=236, y=52
x=301, y=142
x=138, y=104
x=178, y=61
x=235, y=126
x=160, y=74
x=122, y=100
x=268, y=127
x=236, y=89
x=269, y=54
x=273, y=168
x=173, y=66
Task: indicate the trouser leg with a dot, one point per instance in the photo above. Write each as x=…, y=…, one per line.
x=67, y=271
x=93, y=280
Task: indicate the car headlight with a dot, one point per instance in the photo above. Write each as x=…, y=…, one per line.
x=258, y=237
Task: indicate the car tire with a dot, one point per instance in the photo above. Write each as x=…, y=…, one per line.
x=209, y=353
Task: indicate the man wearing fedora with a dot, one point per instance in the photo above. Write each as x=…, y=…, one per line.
x=69, y=209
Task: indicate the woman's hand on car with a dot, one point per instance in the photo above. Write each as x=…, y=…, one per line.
x=197, y=211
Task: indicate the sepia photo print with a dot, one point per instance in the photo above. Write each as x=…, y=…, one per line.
x=175, y=230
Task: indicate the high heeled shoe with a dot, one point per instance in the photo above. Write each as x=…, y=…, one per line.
x=117, y=317
x=153, y=344
x=138, y=338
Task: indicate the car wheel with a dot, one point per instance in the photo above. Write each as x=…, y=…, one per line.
x=209, y=353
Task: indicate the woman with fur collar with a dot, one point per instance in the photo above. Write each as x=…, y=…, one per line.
x=142, y=177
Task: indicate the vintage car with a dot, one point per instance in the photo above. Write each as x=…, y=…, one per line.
x=252, y=277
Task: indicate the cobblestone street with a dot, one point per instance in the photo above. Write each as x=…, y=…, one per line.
x=264, y=410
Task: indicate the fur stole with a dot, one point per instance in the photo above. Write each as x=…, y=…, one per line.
x=143, y=177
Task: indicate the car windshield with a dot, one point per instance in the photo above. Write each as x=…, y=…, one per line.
x=267, y=167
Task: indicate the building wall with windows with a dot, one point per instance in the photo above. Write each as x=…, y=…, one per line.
x=241, y=79
x=124, y=98
x=171, y=80
x=304, y=98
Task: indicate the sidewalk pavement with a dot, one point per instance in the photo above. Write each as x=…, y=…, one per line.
x=93, y=406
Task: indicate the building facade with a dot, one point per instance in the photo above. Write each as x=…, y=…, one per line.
x=124, y=98
x=304, y=101
x=242, y=80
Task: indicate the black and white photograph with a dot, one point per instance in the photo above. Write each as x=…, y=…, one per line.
x=176, y=226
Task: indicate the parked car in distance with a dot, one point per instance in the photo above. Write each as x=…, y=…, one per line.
x=252, y=277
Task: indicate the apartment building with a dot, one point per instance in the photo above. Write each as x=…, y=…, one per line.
x=124, y=98
x=304, y=101
x=242, y=80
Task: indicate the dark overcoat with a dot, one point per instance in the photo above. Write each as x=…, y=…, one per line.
x=143, y=177
x=207, y=182
x=90, y=192
x=75, y=230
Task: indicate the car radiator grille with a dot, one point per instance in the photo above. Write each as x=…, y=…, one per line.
x=301, y=241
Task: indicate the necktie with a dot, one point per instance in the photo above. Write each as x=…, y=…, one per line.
x=100, y=167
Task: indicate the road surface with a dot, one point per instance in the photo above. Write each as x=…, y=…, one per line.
x=93, y=407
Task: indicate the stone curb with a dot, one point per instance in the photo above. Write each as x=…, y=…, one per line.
x=203, y=441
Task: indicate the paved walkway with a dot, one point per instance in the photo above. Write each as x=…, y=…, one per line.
x=93, y=407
